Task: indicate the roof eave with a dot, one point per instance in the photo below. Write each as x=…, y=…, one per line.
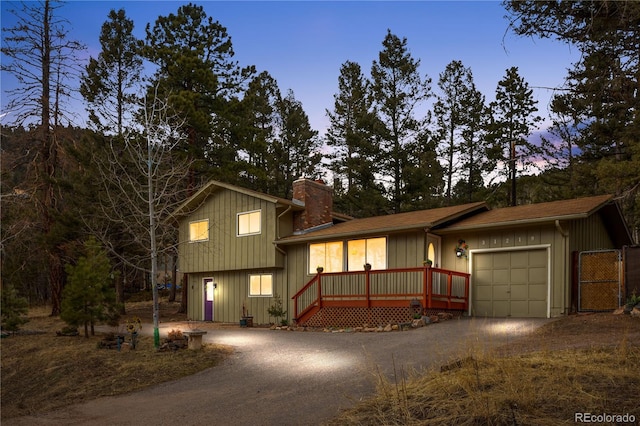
x=513, y=223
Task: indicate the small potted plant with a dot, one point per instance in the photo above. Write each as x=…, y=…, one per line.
x=367, y=266
x=319, y=269
x=427, y=263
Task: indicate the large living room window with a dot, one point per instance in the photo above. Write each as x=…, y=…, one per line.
x=199, y=230
x=327, y=256
x=260, y=285
x=371, y=250
x=249, y=223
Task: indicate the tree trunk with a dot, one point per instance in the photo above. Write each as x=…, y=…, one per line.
x=183, y=302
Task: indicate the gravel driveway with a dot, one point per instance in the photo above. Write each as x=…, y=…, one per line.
x=289, y=378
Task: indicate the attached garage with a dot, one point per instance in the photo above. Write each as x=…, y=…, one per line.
x=510, y=283
x=520, y=258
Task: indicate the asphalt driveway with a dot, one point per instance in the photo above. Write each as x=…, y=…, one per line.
x=289, y=378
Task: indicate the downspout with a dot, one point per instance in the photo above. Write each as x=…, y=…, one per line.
x=565, y=273
x=284, y=253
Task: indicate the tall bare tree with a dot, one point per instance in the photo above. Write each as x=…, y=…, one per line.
x=42, y=59
x=143, y=179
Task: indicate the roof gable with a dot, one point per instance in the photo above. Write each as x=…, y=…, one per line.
x=193, y=202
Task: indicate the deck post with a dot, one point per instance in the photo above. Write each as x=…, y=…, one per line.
x=319, y=291
x=367, y=284
x=466, y=293
x=449, y=284
x=429, y=289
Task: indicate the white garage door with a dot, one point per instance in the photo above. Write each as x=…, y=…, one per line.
x=510, y=283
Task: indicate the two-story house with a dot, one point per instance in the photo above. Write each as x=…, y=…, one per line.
x=239, y=250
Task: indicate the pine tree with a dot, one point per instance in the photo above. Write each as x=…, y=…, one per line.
x=255, y=131
x=398, y=91
x=14, y=309
x=110, y=81
x=513, y=121
x=601, y=90
x=454, y=84
x=295, y=152
x=355, y=145
x=88, y=297
x=476, y=154
x=197, y=74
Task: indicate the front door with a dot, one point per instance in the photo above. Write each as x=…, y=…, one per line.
x=208, y=299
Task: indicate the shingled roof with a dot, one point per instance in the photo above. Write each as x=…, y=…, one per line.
x=390, y=223
x=530, y=213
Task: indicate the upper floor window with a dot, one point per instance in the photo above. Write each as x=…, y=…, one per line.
x=199, y=230
x=249, y=223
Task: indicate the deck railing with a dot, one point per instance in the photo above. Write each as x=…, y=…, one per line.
x=433, y=287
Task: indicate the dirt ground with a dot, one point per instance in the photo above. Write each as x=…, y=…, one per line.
x=586, y=330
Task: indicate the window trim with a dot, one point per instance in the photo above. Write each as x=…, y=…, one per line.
x=261, y=293
x=238, y=234
x=202, y=239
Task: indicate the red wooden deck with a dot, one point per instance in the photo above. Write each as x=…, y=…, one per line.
x=433, y=288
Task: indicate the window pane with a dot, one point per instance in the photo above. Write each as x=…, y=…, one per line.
x=356, y=257
x=249, y=223
x=254, y=285
x=267, y=285
x=316, y=257
x=377, y=253
x=254, y=223
x=199, y=230
x=334, y=259
x=327, y=255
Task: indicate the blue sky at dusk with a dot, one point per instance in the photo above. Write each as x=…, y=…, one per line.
x=303, y=44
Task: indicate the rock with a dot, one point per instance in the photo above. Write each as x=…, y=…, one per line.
x=635, y=312
x=358, y=329
x=619, y=311
x=443, y=316
x=388, y=327
x=417, y=323
x=434, y=318
x=426, y=320
x=395, y=327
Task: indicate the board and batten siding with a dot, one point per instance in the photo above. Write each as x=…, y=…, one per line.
x=589, y=234
x=225, y=250
x=232, y=291
x=542, y=236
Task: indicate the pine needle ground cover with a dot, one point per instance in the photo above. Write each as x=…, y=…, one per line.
x=569, y=366
x=42, y=372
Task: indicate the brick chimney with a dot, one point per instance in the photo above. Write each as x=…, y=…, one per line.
x=318, y=201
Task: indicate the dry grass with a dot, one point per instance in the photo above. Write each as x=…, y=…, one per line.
x=42, y=372
x=544, y=387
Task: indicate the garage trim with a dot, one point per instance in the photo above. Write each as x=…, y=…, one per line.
x=546, y=247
